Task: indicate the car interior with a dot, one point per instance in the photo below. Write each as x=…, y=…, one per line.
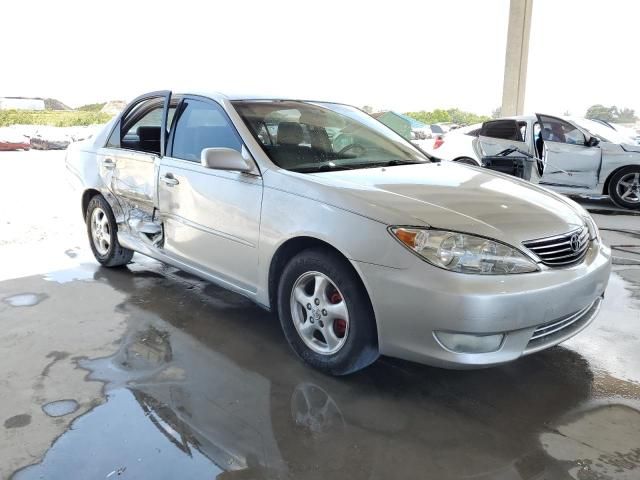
x=297, y=143
x=141, y=130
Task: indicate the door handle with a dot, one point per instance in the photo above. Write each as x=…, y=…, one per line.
x=109, y=164
x=169, y=180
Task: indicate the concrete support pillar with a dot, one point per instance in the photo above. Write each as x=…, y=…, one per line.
x=515, y=65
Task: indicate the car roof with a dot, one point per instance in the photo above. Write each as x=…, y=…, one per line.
x=249, y=96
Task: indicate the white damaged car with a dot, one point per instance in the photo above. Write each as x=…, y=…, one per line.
x=582, y=157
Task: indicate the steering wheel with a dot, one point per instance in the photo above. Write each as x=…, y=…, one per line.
x=360, y=150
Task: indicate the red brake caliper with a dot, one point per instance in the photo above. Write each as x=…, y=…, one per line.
x=339, y=324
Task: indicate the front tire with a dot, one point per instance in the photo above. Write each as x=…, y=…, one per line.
x=103, y=234
x=326, y=314
x=624, y=187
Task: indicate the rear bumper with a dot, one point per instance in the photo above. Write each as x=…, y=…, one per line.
x=411, y=304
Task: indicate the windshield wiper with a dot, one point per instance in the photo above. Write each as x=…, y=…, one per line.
x=327, y=167
x=321, y=168
x=392, y=163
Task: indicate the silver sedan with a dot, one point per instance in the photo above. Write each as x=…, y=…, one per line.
x=359, y=242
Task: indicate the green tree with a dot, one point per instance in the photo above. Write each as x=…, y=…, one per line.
x=452, y=115
x=611, y=114
x=626, y=115
x=600, y=112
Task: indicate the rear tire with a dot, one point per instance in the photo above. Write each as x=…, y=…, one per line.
x=103, y=234
x=326, y=314
x=626, y=183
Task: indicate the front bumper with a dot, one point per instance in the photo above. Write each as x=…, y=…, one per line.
x=411, y=303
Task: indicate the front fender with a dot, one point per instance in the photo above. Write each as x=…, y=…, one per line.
x=360, y=239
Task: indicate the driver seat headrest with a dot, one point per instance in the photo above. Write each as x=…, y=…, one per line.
x=289, y=133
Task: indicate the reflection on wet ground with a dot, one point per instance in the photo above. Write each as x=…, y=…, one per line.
x=147, y=372
x=202, y=385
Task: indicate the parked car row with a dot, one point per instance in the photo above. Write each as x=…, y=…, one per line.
x=580, y=156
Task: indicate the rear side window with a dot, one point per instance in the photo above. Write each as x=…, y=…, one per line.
x=201, y=125
x=140, y=129
x=502, y=129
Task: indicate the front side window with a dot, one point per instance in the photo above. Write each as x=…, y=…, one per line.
x=311, y=137
x=202, y=125
x=559, y=131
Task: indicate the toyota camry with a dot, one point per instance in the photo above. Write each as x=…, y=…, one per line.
x=359, y=242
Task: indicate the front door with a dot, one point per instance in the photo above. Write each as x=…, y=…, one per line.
x=211, y=218
x=570, y=161
x=129, y=160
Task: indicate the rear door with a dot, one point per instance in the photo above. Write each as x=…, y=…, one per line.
x=211, y=218
x=570, y=161
x=130, y=159
x=498, y=135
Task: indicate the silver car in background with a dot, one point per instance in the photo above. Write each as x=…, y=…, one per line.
x=582, y=157
x=359, y=242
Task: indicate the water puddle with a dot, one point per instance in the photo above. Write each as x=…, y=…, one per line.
x=602, y=443
x=25, y=299
x=60, y=408
x=83, y=272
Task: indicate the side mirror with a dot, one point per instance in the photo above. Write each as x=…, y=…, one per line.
x=593, y=141
x=224, y=159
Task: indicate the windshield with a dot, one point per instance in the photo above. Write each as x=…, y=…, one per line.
x=313, y=137
x=604, y=133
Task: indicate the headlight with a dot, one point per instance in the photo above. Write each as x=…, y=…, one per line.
x=460, y=252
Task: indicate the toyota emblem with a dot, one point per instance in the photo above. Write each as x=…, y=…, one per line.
x=575, y=242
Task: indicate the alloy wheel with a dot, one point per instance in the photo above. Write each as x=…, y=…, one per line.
x=628, y=187
x=100, y=232
x=319, y=313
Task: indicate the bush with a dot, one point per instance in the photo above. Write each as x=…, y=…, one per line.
x=55, y=118
x=91, y=107
x=452, y=115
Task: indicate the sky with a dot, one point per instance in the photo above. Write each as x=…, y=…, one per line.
x=391, y=54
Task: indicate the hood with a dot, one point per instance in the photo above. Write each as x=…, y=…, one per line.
x=457, y=197
x=629, y=147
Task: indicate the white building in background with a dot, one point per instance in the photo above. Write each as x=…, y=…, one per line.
x=17, y=103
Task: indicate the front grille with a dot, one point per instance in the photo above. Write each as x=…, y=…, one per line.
x=550, y=332
x=561, y=250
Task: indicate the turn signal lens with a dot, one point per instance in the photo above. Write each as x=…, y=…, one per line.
x=460, y=252
x=407, y=237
